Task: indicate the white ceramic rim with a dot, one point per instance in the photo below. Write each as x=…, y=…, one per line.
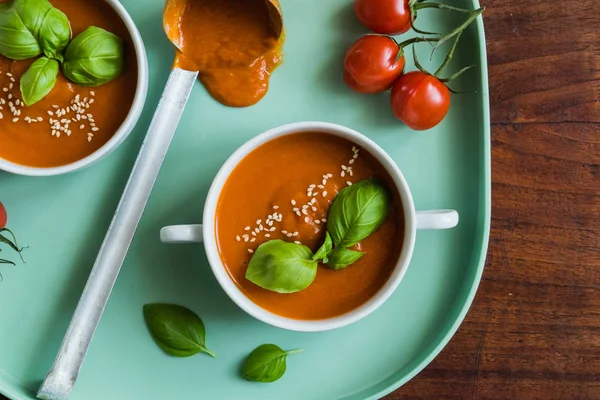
x=126, y=127
x=260, y=313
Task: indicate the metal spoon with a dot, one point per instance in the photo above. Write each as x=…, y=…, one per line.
x=62, y=376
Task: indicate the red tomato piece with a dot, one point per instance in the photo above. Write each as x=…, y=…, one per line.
x=389, y=17
x=420, y=100
x=372, y=64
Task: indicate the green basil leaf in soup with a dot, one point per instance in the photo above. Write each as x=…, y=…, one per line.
x=342, y=257
x=357, y=212
x=38, y=80
x=324, y=250
x=177, y=330
x=267, y=363
x=16, y=41
x=94, y=57
x=282, y=267
x=55, y=34
x=32, y=13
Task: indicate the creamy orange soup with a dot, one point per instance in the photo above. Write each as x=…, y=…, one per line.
x=41, y=135
x=233, y=43
x=286, y=186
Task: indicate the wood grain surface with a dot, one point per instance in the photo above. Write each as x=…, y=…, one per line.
x=533, y=331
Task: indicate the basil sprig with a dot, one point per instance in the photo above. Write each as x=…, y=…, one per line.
x=38, y=80
x=94, y=57
x=55, y=34
x=267, y=363
x=176, y=330
x=16, y=41
x=356, y=212
x=282, y=267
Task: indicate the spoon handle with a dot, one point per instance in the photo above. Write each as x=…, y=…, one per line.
x=60, y=380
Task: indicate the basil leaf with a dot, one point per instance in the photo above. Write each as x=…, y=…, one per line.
x=94, y=57
x=324, y=250
x=357, y=212
x=342, y=257
x=282, y=267
x=32, y=13
x=176, y=330
x=267, y=363
x=55, y=34
x=16, y=41
x=38, y=80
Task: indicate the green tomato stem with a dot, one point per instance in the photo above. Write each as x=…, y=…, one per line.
x=290, y=352
x=448, y=57
x=440, y=6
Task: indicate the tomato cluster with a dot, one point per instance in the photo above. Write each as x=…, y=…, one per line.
x=375, y=63
x=9, y=239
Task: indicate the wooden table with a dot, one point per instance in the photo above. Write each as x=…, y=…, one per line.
x=533, y=331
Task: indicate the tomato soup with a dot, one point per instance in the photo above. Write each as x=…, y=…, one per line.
x=283, y=190
x=71, y=122
x=233, y=43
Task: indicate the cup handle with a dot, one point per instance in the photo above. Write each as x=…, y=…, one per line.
x=181, y=234
x=437, y=219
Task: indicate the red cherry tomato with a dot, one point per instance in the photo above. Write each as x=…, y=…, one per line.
x=420, y=100
x=3, y=216
x=372, y=64
x=389, y=17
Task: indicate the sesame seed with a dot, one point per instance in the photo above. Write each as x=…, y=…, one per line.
x=256, y=230
x=9, y=74
x=17, y=102
x=317, y=222
x=325, y=193
x=81, y=126
x=247, y=228
x=355, y=156
x=351, y=173
x=348, y=183
x=275, y=207
x=90, y=102
x=10, y=86
x=312, y=201
x=40, y=119
x=5, y=89
x=324, y=181
x=314, y=208
x=311, y=186
x=330, y=175
x=304, y=212
x=343, y=174
x=94, y=129
x=298, y=213
x=304, y=207
x=289, y=235
x=306, y=219
x=314, y=194
x=250, y=251
x=351, y=161
x=293, y=202
x=295, y=209
x=267, y=235
x=252, y=240
x=321, y=187
x=262, y=228
x=10, y=96
x=297, y=242
x=295, y=233
x=238, y=238
x=258, y=221
x=354, y=149
x=323, y=219
x=15, y=120
x=246, y=239
x=253, y=233
x=272, y=229
x=1, y=115
x=284, y=232
x=92, y=93
x=344, y=167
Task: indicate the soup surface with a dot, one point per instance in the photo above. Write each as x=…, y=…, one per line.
x=280, y=179
x=29, y=135
x=232, y=43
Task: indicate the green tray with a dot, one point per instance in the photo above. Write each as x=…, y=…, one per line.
x=64, y=219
